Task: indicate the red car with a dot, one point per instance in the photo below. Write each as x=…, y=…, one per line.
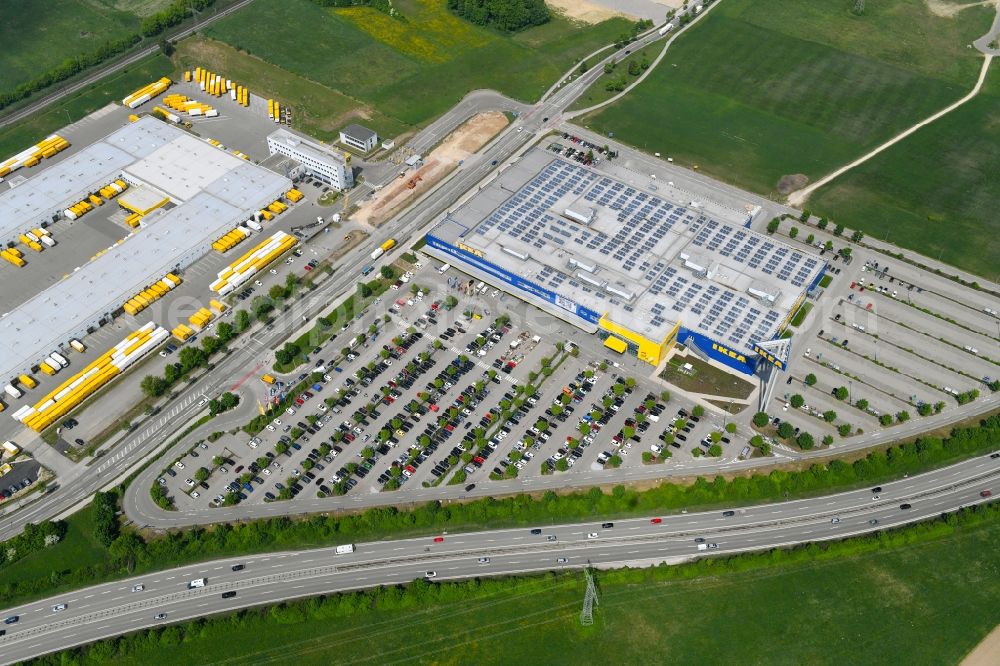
x=656, y=521
x=299, y=401
x=434, y=407
x=438, y=539
x=479, y=459
x=985, y=493
x=349, y=437
x=410, y=468
x=307, y=268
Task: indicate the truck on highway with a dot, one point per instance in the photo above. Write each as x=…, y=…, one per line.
x=345, y=549
x=366, y=270
x=197, y=582
x=666, y=28
x=383, y=248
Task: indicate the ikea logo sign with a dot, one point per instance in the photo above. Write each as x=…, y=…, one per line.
x=729, y=352
x=769, y=357
x=470, y=250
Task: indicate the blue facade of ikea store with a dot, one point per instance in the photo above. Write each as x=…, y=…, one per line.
x=743, y=361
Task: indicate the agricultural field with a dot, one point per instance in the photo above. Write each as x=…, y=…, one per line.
x=20, y=135
x=37, y=36
x=936, y=192
x=769, y=94
x=876, y=607
x=320, y=111
x=413, y=69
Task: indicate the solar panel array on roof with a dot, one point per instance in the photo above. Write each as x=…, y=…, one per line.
x=778, y=261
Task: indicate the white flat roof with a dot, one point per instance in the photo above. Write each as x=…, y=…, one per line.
x=227, y=197
x=52, y=189
x=181, y=167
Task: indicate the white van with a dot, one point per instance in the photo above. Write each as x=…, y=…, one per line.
x=197, y=582
x=702, y=546
x=480, y=285
x=345, y=549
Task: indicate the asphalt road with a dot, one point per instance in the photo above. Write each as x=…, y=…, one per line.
x=99, y=74
x=113, y=608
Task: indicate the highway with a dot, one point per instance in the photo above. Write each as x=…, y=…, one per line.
x=114, y=608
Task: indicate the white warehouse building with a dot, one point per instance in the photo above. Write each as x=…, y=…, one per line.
x=329, y=165
x=211, y=190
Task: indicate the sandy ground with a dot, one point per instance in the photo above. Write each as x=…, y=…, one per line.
x=459, y=145
x=947, y=9
x=987, y=653
x=582, y=10
x=350, y=240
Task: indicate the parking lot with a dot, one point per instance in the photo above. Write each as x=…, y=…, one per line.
x=444, y=395
x=890, y=343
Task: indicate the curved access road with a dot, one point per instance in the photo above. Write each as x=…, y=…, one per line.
x=114, y=608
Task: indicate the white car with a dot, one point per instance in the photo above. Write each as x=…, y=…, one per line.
x=592, y=535
x=138, y=588
x=274, y=271
x=276, y=422
x=203, y=401
x=258, y=283
x=179, y=465
x=58, y=607
x=266, y=472
x=190, y=483
x=196, y=494
x=270, y=427
x=290, y=411
x=430, y=574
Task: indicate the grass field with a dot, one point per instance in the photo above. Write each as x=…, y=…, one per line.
x=761, y=89
x=23, y=133
x=928, y=603
x=319, y=110
x=39, y=35
x=598, y=92
x=78, y=548
x=936, y=192
x=411, y=70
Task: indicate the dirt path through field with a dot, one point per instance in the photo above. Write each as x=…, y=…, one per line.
x=457, y=146
x=987, y=653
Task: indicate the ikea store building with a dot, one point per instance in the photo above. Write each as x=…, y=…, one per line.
x=641, y=271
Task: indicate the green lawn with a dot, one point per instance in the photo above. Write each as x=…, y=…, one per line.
x=598, y=92
x=78, y=549
x=936, y=192
x=38, y=35
x=23, y=133
x=761, y=89
x=411, y=70
x=925, y=603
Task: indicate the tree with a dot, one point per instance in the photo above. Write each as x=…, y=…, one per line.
x=840, y=393
x=785, y=430
x=242, y=320
x=153, y=386
x=797, y=401
x=634, y=68
x=772, y=226
x=225, y=332
x=277, y=292
x=647, y=457
x=307, y=464
x=609, y=66
x=844, y=429
x=838, y=230
x=715, y=450
x=793, y=232
x=903, y=416
x=562, y=464
x=715, y=436
x=862, y=404
x=614, y=462
x=827, y=440
x=761, y=419
x=218, y=460
x=364, y=290
x=810, y=379
x=166, y=47
x=885, y=419
x=805, y=441
x=665, y=396
x=280, y=448
x=201, y=474
x=857, y=236
x=214, y=407
x=830, y=416
x=698, y=411
x=387, y=272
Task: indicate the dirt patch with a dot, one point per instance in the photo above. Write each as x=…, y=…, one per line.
x=582, y=10
x=946, y=9
x=790, y=183
x=987, y=653
x=458, y=146
x=350, y=240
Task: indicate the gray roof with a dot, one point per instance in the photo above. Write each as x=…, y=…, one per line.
x=645, y=261
x=307, y=146
x=359, y=133
x=39, y=325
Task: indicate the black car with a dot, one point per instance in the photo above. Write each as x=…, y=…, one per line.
x=470, y=487
x=229, y=595
x=534, y=531
x=607, y=526
x=12, y=619
x=728, y=514
x=904, y=506
x=238, y=567
x=877, y=489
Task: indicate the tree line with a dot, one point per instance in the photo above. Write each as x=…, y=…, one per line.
x=422, y=593
x=128, y=551
x=153, y=25
x=505, y=15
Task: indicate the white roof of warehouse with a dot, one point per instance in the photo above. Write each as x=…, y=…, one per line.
x=225, y=198
x=50, y=190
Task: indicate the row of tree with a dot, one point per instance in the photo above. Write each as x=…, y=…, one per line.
x=128, y=551
x=171, y=15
